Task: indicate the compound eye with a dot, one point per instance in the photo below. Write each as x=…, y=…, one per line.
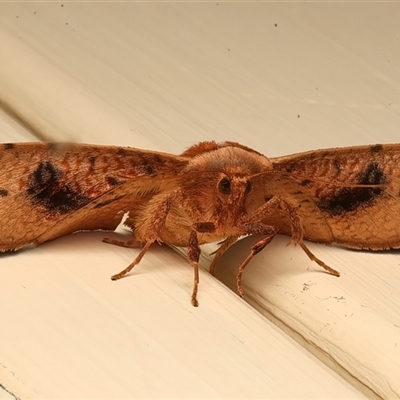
x=248, y=187
x=224, y=186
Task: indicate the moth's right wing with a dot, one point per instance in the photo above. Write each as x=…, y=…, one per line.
x=50, y=190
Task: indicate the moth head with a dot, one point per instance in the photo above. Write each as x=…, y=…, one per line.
x=216, y=195
x=218, y=181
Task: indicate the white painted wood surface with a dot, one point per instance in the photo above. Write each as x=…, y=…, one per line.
x=280, y=78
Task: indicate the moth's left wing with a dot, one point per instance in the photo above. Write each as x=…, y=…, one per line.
x=355, y=190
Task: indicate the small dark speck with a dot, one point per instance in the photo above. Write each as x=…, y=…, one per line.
x=276, y=25
x=158, y=159
x=112, y=181
x=16, y=16
x=316, y=88
x=92, y=161
x=305, y=182
x=34, y=12
x=66, y=23
x=298, y=115
x=229, y=49
x=62, y=5
x=376, y=148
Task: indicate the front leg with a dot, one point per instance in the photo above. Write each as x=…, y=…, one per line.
x=153, y=220
x=252, y=224
x=228, y=242
x=296, y=226
x=249, y=228
x=194, y=254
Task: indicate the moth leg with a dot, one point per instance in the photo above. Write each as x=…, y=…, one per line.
x=135, y=262
x=312, y=257
x=133, y=243
x=194, y=253
x=268, y=232
x=228, y=242
x=194, y=256
x=154, y=222
x=296, y=227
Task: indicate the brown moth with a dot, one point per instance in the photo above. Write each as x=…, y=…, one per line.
x=211, y=192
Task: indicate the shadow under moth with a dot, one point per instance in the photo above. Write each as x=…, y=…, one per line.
x=212, y=192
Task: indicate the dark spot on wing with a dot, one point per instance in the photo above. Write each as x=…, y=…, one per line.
x=123, y=152
x=3, y=192
x=149, y=165
x=336, y=164
x=8, y=146
x=145, y=169
x=54, y=146
x=92, y=161
x=112, y=181
x=349, y=199
x=305, y=182
x=290, y=167
x=376, y=148
x=46, y=173
x=46, y=188
x=149, y=170
x=142, y=163
x=158, y=159
x=372, y=175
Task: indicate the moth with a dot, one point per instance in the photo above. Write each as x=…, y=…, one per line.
x=210, y=193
